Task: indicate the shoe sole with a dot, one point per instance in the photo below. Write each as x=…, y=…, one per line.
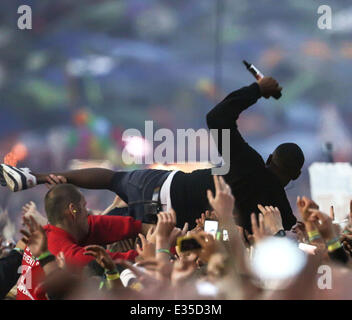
x=15, y=179
x=2, y=179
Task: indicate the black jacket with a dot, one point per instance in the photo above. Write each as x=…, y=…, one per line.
x=251, y=181
x=9, y=272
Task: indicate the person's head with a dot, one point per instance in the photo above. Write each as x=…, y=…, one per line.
x=65, y=206
x=286, y=162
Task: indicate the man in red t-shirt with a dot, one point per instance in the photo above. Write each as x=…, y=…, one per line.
x=70, y=228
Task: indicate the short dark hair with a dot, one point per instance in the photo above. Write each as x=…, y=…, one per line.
x=58, y=199
x=289, y=158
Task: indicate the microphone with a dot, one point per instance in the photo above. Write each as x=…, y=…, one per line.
x=258, y=75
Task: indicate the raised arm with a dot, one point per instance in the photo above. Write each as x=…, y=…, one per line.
x=225, y=115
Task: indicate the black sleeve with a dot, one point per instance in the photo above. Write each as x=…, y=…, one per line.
x=339, y=255
x=9, y=272
x=224, y=116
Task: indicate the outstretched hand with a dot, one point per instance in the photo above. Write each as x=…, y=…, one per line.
x=272, y=219
x=165, y=225
x=223, y=202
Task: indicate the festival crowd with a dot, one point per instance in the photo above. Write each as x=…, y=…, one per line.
x=246, y=244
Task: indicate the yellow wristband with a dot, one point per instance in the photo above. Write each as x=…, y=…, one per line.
x=334, y=246
x=313, y=233
x=136, y=286
x=113, y=276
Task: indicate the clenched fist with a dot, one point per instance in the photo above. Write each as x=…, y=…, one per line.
x=269, y=87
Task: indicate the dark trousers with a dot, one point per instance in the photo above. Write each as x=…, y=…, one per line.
x=137, y=188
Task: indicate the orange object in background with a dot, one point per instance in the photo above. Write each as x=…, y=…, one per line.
x=18, y=153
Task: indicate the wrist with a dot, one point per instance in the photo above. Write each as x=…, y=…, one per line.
x=112, y=274
x=46, y=258
x=310, y=226
x=333, y=245
x=277, y=229
x=162, y=242
x=331, y=238
x=280, y=233
x=44, y=254
x=161, y=250
x=111, y=270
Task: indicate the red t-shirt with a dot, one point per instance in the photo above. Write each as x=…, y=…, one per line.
x=102, y=230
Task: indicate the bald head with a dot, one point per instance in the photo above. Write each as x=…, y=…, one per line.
x=58, y=199
x=289, y=158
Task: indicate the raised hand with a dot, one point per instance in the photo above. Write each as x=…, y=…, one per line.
x=101, y=256
x=223, y=202
x=272, y=219
x=258, y=228
x=303, y=205
x=205, y=216
x=209, y=245
x=151, y=234
x=269, y=87
x=35, y=239
x=165, y=225
x=147, y=251
x=177, y=232
x=30, y=209
x=323, y=223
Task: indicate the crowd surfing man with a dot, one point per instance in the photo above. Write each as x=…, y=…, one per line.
x=70, y=229
x=252, y=180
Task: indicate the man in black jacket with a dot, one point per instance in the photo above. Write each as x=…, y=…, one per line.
x=252, y=180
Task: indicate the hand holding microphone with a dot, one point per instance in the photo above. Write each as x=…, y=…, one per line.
x=269, y=87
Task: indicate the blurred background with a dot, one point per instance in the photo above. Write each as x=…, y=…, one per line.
x=89, y=69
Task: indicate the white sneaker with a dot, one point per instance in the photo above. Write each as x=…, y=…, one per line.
x=17, y=179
